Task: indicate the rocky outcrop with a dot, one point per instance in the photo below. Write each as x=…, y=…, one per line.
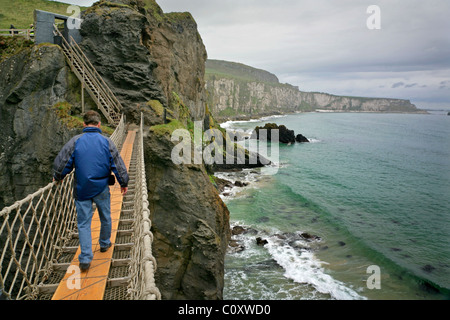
x=284, y=134
x=301, y=138
x=234, y=91
x=190, y=224
x=145, y=55
x=32, y=82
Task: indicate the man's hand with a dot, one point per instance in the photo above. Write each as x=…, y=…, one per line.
x=57, y=181
x=124, y=190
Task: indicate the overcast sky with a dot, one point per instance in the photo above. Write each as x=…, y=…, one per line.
x=327, y=46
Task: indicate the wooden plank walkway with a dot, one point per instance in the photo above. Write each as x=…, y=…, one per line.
x=90, y=285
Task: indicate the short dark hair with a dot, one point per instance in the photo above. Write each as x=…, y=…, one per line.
x=91, y=117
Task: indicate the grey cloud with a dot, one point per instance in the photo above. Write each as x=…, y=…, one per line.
x=308, y=38
x=444, y=84
x=398, y=84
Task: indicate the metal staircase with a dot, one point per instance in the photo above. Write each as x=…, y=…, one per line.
x=91, y=80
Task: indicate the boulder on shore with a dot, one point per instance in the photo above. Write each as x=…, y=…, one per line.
x=301, y=138
x=285, y=135
x=237, y=230
x=261, y=242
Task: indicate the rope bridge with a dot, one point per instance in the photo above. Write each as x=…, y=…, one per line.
x=38, y=232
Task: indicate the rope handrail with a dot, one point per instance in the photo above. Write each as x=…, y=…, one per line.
x=32, y=232
x=143, y=266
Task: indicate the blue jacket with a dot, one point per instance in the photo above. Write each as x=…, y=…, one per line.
x=93, y=156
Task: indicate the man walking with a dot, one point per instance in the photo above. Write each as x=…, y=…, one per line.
x=93, y=156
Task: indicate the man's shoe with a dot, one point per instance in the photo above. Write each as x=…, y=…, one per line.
x=105, y=248
x=84, y=266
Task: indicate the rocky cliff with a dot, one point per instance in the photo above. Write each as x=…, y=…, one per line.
x=190, y=224
x=153, y=62
x=32, y=83
x=236, y=91
x=146, y=55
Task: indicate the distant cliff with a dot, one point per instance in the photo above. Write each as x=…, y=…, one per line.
x=236, y=90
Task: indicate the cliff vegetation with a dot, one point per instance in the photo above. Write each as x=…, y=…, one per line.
x=20, y=12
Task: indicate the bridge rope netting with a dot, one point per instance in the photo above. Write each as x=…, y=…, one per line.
x=34, y=231
x=142, y=269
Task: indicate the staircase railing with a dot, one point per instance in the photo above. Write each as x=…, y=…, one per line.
x=91, y=80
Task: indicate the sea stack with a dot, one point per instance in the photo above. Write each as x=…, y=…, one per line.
x=285, y=135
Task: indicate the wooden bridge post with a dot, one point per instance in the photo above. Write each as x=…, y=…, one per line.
x=82, y=93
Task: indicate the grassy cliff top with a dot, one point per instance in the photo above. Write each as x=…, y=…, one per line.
x=20, y=12
x=236, y=70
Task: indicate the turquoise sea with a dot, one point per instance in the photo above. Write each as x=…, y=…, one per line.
x=375, y=191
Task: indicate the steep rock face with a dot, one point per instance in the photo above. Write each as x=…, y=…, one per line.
x=112, y=42
x=234, y=91
x=180, y=55
x=144, y=54
x=190, y=225
x=31, y=83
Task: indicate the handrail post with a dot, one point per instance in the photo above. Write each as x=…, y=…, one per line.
x=82, y=98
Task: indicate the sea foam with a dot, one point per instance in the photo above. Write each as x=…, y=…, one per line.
x=297, y=260
x=303, y=267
